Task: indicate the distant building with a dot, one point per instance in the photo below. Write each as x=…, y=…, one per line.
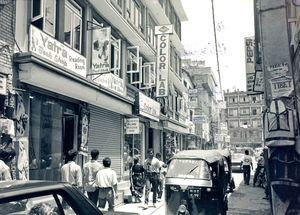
x=244, y=118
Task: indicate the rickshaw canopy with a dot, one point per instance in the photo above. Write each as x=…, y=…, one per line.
x=211, y=156
x=225, y=153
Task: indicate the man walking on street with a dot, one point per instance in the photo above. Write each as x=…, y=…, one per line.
x=152, y=167
x=71, y=172
x=161, y=176
x=90, y=170
x=247, y=162
x=106, y=180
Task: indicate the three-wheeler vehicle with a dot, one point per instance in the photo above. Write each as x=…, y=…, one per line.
x=228, y=169
x=196, y=182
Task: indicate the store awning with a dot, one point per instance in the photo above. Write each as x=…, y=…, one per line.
x=69, y=85
x=175, y=127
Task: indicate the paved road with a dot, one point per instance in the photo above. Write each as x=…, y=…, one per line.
x=245, y=200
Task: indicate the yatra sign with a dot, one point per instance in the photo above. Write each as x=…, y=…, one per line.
x=163, y=58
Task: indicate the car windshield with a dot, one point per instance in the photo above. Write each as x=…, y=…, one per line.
x=188, y=168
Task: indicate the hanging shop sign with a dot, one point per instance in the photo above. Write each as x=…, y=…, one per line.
x=249, y=60
x=163, y=58
x=259, y=85
x=112, y=82
x=56, y=52
x=132, y=126
x=101, y=51
x=147, y=107
x=3, y=85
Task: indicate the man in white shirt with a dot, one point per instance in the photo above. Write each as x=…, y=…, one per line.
x=162, y=172
x=90, y=170
x=106, y=180
x=6, y=157
x=247, y=162
x=71, y=172
x=152, y=170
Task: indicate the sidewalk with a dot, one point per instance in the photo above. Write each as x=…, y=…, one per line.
x=137, y=208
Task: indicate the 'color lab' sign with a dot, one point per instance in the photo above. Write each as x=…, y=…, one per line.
x=163, y=59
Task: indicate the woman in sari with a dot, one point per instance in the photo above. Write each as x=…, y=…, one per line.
x=137, y=178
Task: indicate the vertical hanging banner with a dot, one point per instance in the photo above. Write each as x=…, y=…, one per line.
x=101, y=51
x=249, y=61
x=163, y=58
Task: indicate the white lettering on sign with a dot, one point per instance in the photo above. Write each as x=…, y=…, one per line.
x=249, y=60
x=162, y=65
x=54, y=51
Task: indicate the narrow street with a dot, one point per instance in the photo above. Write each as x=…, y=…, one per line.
x=245, y=200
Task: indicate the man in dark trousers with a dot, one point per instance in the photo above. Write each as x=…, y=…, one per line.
x=247, y=163
x=90, y=170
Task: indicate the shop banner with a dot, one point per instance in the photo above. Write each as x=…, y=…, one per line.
x=249, y=60
x=101, y=51
x=56, y=52
x=147, y=107
x=132, y=126
x=112, y=82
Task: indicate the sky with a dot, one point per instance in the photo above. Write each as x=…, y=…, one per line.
x=234, y=21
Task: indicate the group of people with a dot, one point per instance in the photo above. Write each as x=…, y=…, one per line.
x=150, y=175
x=98, y=180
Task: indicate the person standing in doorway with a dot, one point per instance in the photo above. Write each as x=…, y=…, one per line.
x=71, y=172
x=247, y=163
x=6, y=156
x=106, y=180
x=90, y=170
x=152, y=168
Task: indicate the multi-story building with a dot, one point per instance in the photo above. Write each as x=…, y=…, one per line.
x=244, y=118
x=203, y=100
x=87, y=73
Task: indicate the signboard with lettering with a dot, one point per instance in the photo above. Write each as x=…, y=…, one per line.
x=132, y=126
x=259, y=83
x=147, y=107
x=163, y=58
x=101, y=51
x=113, y=83
x=281, y=86
x=52, y=50
x=249, y=60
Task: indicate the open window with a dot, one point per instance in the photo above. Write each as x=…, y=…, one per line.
x=115, y=61
x=149, y=76
x=133, y=65
x=43, y=15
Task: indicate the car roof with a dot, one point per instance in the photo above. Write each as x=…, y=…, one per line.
x=210, y=156
x=14, y=188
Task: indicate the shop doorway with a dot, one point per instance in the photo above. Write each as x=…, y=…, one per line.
x=69, y=125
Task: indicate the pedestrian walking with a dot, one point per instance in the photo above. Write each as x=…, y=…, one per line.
x=106, y=180
x=6, y=156
x=260, y=165
x=152, y=167
x=162, y=172
x=247, y=163
x=71, y=172
x=138, y=180
x=90, y=170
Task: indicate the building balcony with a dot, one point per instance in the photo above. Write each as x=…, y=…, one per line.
x=112, y=14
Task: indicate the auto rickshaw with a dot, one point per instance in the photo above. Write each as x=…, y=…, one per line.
x=228, y=169
x=196, y=181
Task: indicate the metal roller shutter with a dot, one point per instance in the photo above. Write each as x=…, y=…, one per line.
x=105, y=135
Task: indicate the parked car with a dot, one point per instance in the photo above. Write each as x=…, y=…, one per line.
x=236, y=162
x=43, y=197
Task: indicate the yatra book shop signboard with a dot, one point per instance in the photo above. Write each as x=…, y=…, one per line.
x=101, y=51
x=163, y=58
x=250, y=65
x=112, y=82
x=49, y=49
